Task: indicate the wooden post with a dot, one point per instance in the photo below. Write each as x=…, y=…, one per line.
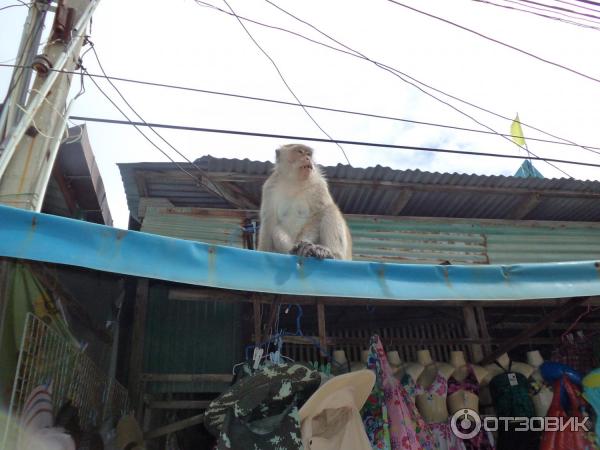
x=137, y=346
x=257, y=319
x=321, y=326
x=472, y=333
x=5, y=281
x=485, y=334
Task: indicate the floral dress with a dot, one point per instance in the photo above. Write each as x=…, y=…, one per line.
x=391, y=419
x=443, y=437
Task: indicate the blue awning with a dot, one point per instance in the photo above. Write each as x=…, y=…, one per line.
x=53, y=239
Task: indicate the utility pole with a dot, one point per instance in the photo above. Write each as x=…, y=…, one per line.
x=30, y=147
x=21, y=78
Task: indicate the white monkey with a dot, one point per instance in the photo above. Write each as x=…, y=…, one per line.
x=297, y=213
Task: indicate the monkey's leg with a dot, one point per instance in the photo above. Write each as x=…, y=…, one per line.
x=321, y=252
x=302, y=248
x=308, y=249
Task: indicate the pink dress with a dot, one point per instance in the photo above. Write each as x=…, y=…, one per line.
x=407, y=429
x=443, y=436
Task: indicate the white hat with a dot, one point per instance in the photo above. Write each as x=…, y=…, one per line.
x=330, y=418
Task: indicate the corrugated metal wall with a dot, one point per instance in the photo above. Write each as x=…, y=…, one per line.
x=409, y=240
x=190, y=337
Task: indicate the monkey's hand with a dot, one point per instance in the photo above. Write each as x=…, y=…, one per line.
x=308, y=249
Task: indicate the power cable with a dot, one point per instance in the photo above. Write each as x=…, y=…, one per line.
x=321, y=108
x=552, y=11
x=545, y=16
x=214, y=187
x=284, y=81
x=577, y=6
x=315, y=139
x=589, y=2
x=12, y=6
x=559, y=8
x=382, y=65
x=136, y=125
x=400, y=75
x=512, y=47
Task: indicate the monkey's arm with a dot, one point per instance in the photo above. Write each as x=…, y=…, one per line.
x=272, y=237
x=334, y=233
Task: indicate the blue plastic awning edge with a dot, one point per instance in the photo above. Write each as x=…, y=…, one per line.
x=52, y=239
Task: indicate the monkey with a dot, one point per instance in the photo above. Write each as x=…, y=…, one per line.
x=297, y=213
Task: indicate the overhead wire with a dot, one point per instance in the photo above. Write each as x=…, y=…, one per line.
x=589, y=2
x=491, y=39
x=322, y=108
x=12, y=6
x=559, y=8
x=382, y=65
x=136, y=126
x=552, y=11
x=401, y=76
x=545, y=16
x=316, y=139
x=577, y=6
x=215, y=187
x=284, y=80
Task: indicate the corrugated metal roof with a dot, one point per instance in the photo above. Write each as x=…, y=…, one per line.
x=407, y=239
x=375, y=190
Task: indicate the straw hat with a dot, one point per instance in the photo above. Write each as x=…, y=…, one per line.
x=330, y=418
x=359, y=384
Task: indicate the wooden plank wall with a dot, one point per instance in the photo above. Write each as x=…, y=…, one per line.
x=407, y=339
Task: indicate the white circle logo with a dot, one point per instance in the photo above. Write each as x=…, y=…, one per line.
x=465, y=423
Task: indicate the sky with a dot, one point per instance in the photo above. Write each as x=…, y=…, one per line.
x=196, y=46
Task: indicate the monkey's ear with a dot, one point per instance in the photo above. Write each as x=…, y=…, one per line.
x=277, y=155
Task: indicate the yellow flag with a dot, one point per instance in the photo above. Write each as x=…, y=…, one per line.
x=517, y=132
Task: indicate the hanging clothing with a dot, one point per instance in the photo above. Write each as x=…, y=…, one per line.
x=443, y=437
x=470, y=384
x=510, y=394
x=391, y=418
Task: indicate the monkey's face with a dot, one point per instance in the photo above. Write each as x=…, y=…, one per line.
x=296, y=160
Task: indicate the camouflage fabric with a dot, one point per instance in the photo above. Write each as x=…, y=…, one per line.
x=261, y=411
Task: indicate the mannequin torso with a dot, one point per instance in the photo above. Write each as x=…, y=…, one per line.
x=469, y=375
x=433, y=382
x=503, y=365
x=397, y=365
x=543, y=395
x=364, y=358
